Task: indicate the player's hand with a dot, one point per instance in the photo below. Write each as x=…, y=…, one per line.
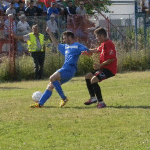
x=47, y=29
x=97, y=66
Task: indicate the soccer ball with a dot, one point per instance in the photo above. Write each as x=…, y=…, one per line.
x=36, y=96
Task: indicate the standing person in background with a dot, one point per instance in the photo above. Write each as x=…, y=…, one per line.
x=69, y=10
x=7, y=26
x=21, y=9
x=36, y=46
x=11, y=9
x=52, y=10
x=51, y=23
x=23, y=28
x=105, y=68
x=31, y=10
x=81, y=10
x=71, y=50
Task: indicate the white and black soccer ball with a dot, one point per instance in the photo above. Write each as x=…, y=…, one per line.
x=36, y=96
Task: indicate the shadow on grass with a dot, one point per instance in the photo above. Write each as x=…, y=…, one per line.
x=66, y=107
x=7, y=88
x=91, y=107
x=129, y=107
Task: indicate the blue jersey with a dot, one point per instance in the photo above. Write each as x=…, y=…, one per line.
x=71, y=53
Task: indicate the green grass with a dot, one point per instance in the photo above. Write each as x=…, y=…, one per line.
x=123, y=125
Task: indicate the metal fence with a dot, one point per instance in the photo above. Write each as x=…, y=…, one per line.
x=82, y=26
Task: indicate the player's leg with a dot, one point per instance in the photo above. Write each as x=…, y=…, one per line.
x=62, y=76
x=55, y=80
x=92, y=99
x=47, y=94
x=99, y=76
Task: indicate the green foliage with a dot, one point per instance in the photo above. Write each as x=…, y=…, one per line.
x=133, y=61
x=85, y=65
x=96, y=5
x=25, y=67
x=53, y=61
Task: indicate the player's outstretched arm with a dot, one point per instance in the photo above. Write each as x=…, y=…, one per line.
x=55, y=42
x=93, y=50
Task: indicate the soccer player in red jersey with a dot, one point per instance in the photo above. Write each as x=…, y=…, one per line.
x=105, y=69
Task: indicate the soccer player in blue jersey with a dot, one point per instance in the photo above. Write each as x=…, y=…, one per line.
x=71, y=50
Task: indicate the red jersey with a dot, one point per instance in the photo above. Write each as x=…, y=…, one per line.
x=107, y=51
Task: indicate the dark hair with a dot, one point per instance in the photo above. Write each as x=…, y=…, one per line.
x=31, y=1
x=20, y=2
x=100, y=31
x=68, y=33
x=12, y=3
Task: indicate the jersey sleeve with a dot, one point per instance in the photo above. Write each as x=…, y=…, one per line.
x=83, y=48
x=61, y=48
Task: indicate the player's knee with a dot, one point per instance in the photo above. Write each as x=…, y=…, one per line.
x=55, y=77
x=52, y=78
x=50, y=87
x=88, y=75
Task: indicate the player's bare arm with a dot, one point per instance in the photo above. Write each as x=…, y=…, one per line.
x=105, y=63
x=94, y=50
x=55, y=42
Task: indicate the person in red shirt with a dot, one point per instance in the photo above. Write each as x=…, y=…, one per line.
x=105, y=69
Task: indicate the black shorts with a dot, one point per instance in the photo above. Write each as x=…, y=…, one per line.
x=102, y=74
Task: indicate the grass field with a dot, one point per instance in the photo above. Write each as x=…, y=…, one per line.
x=123, y=125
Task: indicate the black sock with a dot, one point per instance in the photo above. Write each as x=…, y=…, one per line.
x=97, y=90
x=90, y=87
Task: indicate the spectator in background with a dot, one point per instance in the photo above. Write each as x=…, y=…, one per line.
x=38, y=10
x=69, y=10
x=16, y=5
x=1, y=9
x=7, y=29
x=59, y=7
x=43, y=7
x=27, y=2
x=11, y=9
x=31, y=10
x=22, y=26
x=51, y=23
x=21, y=9
x=81, y=10
x=145, y=4
x=52, y=10
x=5, y=5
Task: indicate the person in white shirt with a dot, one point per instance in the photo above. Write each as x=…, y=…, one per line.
x=11, y=9
x=51, y=23
x=23, y=26
x=81, y=10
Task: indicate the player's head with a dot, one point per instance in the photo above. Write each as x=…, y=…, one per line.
x=101, y=34
x=68, y=37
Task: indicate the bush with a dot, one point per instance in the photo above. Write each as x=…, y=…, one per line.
x=85, y=65
x=127, y=61
x=133, y=61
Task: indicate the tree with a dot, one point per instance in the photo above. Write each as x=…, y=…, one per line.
x=92, y=5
